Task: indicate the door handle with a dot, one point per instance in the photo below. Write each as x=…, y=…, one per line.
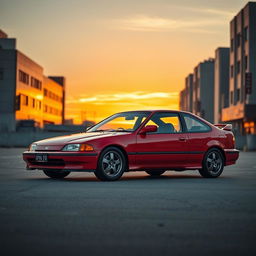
x=182, y=139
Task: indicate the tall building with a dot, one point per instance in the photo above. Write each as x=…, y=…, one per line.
x=25, y=93
x=189, y=92
x=221, y=82
x=182, y=100
x=203, y=90
x=241, y=111
x=186, y=95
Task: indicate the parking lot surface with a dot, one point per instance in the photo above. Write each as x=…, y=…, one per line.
x=179, y=213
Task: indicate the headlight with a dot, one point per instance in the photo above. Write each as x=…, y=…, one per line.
x=78, y=147
x=32, y=147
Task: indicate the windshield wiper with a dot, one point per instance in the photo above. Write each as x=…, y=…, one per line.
x=107, y=130
x=111, y=130
x=121, y=130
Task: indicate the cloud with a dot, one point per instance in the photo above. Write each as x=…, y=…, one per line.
x=155, y=23
x=200, y=21
x=123, y=97
x=219, y=12
x=88, y=99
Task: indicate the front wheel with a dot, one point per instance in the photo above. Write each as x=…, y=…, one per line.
x=111, y=164
x=213, y=164
x=155, y=173
x=59, y=174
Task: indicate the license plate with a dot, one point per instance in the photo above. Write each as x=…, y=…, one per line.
x=41, y=158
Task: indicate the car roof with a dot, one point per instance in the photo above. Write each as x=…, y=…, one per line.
x=170, y=110
x=156, y=110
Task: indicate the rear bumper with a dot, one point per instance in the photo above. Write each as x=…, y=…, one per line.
x=72, y=161
x=231, y=156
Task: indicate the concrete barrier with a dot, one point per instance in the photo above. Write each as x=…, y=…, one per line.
x=24, y=139
x=251, y=142
x=240, y=142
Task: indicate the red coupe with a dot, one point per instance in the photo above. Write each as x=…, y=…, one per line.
x=151, y=141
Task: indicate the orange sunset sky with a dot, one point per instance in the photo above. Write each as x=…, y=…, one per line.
x=119, y=55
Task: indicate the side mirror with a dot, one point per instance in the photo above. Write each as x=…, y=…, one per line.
x=148, y=128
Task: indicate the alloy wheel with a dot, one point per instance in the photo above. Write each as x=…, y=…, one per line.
x=214, y=162
x=112, y=163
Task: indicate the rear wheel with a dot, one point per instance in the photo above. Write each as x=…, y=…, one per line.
x=155, y=173
x=111, y=164
x=213, y=164
x=56, y=174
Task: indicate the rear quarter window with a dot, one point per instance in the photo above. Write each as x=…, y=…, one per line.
x=193, y=124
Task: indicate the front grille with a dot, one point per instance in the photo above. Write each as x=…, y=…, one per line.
x=50, y=162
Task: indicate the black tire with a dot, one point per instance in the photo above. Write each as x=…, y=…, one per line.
x=213, y=164
x=111, y=164
x=155, y=173
x=56, y=174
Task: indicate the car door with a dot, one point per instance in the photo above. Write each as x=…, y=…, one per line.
x=199, y=133
x=165, y=148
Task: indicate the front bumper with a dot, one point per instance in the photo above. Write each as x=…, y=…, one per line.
x=231, y=156
x=71, y=161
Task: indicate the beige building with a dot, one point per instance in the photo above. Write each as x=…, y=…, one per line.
x=53, y=100
x=25, y=93
x=241, y=111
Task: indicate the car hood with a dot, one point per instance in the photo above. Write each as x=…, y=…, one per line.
x=57, y=143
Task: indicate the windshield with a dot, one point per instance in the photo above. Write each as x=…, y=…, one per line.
x=121, y=122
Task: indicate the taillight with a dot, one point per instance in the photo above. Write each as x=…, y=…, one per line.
x=234, y=141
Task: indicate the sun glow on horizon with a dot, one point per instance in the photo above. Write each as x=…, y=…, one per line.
x=96, y=108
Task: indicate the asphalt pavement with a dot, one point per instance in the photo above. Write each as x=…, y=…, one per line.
x=175, y=214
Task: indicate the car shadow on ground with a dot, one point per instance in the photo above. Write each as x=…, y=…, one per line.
x=138, y=177
x=144, y=178
x=134, y=177
x=131, y=177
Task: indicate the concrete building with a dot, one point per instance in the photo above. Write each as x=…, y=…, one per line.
x=186, y=95
x=53, y=100
x=221, y=82
x=241, y=111
x=203, y=90
x=25, y=93
x=189, y=92
x=182, y=100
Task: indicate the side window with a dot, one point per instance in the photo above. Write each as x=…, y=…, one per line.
x=195, y=125
x=166, y=122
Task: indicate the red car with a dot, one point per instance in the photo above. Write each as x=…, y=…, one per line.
x=151, y=141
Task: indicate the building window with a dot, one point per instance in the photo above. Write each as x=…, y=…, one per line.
x=238, y=39
x=36, y=83
x=238, y=64
x=231, y=71
x=24, y=100
x=52, y=95
x=246, y=34
x=245, y=62
x=250, y=127
x=231, y=97
x=232, y=45
x=238, y=94
x=23, y=77
x=1, y=74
